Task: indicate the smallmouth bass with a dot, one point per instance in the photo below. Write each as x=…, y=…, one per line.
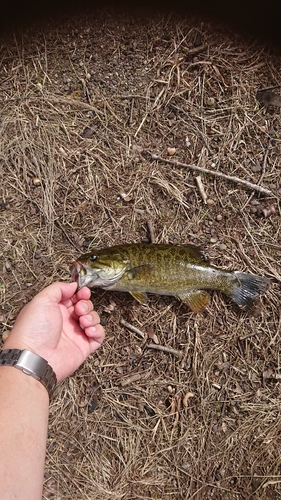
x=182, y=271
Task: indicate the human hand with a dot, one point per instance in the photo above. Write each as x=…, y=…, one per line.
x=59, y=325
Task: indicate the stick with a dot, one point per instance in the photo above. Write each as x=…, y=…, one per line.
x=151, y=231
x=248, y=184
x=57, y=222
x=201, y=189
x=165, y=349
x=131, y=379
x=134, y=378
x=132, y=328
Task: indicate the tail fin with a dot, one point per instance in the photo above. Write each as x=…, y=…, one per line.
x=247, y=288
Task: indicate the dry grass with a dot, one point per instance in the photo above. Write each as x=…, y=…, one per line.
x=134, y=83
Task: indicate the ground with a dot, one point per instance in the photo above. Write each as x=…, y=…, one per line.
x=84, y=103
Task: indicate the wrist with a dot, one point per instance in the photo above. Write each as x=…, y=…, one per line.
x=17, y=340
x=31, y=365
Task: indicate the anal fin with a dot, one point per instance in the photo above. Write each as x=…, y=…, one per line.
x=139, y=296
x=196, y=300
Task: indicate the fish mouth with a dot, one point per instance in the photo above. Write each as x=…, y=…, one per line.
x=79, y=274
x=75, y=269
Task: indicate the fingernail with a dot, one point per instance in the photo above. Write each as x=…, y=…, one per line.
x=85, y=307
x=92, y=329
x=89, y=317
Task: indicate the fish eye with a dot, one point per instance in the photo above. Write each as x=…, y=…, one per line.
x=93, y=258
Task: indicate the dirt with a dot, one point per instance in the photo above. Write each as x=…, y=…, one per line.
x=85, y=101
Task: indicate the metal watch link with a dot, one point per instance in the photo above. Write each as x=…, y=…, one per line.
x=30, y=364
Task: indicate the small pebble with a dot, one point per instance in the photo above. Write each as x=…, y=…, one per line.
x=36, y=181
x=216, y=386
x=214, y=239
x=222, y=247
x=210, y=102
x=171, y=151
x=8, y=266
x=256, y=168
x=219, y=217
x=210, y=202
x=5, y=335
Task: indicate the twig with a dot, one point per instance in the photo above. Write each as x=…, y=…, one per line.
x=248, y=184
x=151, y=231
x=264, y=163
x=196, y=50
x=201, y=189
x=165, y=349
x=244, y=337
x=130, y=380
x=66, y=235
x=133, y=328
x=134, y=378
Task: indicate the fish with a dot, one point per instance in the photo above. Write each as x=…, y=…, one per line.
x=182, y=271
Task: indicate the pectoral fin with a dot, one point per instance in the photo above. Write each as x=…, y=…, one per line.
x=139, y=271
x=139, y=296
x=196, y=300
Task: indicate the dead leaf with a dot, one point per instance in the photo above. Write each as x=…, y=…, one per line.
x=110, y=308
x=238, y=389
x=267, y=212
x=151, y=335
x=77, y=239
x=267, y=374
x=224, y=367
x=88, y=132
x=126, y=197
x=268, y=98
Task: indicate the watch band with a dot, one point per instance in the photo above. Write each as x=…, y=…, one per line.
x=30, y=364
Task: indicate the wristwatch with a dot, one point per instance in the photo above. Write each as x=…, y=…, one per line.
x=30, y=364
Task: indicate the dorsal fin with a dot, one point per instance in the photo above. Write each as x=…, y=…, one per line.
x=195, y=252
